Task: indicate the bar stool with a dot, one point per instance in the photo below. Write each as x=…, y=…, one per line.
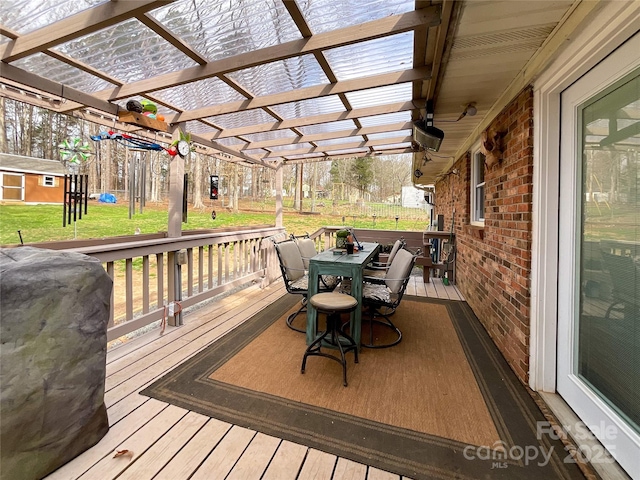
x=333, y=305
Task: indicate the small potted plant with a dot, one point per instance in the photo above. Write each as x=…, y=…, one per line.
x=341, y=238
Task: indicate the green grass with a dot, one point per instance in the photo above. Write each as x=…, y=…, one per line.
x=41, y=223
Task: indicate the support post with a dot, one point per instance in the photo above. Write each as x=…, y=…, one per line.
x=279, y=182
x=176, y=186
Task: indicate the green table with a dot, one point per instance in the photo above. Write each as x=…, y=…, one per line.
x=328, y=263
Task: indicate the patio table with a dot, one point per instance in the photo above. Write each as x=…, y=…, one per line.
x=344, y=265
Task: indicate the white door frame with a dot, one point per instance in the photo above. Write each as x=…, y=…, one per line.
x=609, y=28
x=605, y=32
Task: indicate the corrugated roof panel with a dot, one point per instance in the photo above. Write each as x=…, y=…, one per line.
x=349, y=151
x=281, y=76
x=210, y=91
x=395, y=145
x=25, y=16
x=282, y=148
x=224, y=28
x=386, y=119
x=374, y=57
x=242, y=119
x=231, y=142
x=309, y=108
x=328, y=127
x=380, y=95
x=326, y=15
x=60, y=72
x=259, y=137
x=128, y=51
x=339, y=141
x=394, y=134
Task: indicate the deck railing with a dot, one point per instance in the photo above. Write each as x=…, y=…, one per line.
x=157, y=277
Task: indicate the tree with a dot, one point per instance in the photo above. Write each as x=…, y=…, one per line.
x=362, y=174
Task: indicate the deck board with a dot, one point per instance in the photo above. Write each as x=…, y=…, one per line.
x=349, y=470
x=317, y=466
x=171, y=443
x=191, y=455
x=221, y=460
x=161, y=452
x=137, y=444
x=255, y=459
x=287, y=461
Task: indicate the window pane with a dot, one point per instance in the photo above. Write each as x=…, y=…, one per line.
x=609, y=317
x=479, y=212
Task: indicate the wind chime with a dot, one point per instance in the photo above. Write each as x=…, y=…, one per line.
x=74, y=151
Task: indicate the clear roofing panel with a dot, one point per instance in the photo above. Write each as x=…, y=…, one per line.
x=236, y=143
x=309, y=108
x=242, y=119
x=223, y=28
x=25, y=16
x=392, y=146
x=128, y=51
x=349, y=150
x=281, y=76
x=200, y=129
x=60, y=72
x=328, y=127
x=380, y=95
x=210, y=91
x=374, y=57
x=325, y=15
x=284, y=148
x=272, y=135
x=394, y=134
x=385, y=119
x=340, y=141
x=255, y=151
x=310, y=155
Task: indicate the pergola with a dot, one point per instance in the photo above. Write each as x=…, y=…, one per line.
x=271, y=82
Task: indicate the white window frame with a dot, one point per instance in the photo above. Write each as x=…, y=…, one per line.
x=48, y=178
x=477, y=218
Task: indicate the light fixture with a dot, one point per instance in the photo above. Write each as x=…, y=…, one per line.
x=470, y=110
x=425, y=134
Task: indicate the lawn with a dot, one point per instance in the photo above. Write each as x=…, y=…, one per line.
x=40, y=223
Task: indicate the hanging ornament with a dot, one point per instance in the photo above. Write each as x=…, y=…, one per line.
x=75, y=151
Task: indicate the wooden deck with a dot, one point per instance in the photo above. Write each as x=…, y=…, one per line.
x=168, y=442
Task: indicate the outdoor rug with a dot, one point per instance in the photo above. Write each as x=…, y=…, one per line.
x=441, y=404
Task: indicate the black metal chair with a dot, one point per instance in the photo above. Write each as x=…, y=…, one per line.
x=626, y=288
x=296, y=279
x=381, y=297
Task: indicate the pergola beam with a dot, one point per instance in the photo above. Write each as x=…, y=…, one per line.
x=316, y=119
x=54, y=88
x=322, y=41
x=328, y=158
x=75, y=26
x=307, y=93
x=391, y=127
x=327, y=149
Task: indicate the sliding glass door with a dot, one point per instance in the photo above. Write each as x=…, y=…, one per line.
x=599, y=268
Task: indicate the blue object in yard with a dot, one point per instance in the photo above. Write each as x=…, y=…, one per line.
x=107, y=198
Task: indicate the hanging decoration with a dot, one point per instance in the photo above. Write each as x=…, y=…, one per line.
x=75, y=150
x=129, y=141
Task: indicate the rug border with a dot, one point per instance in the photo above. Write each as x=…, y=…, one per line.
x=399, y=440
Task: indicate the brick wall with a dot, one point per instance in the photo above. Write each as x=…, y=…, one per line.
x=494, y=262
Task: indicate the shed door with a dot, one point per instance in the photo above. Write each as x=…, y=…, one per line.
x=12, y=186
